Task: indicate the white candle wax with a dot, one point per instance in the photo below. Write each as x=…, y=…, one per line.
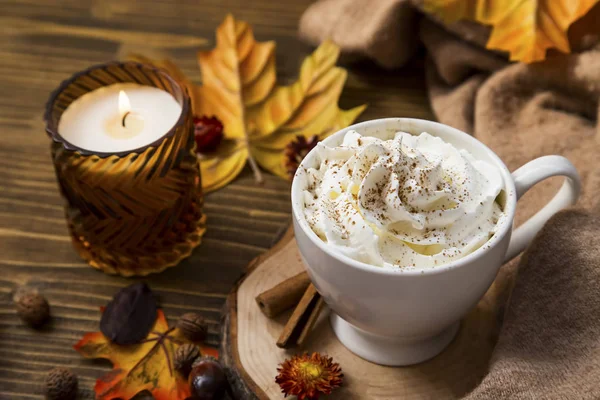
x=94, y=121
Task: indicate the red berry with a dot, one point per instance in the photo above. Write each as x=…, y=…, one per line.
x=208, y=133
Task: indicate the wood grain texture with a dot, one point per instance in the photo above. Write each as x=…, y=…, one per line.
x=248, y=345
x=44, y=42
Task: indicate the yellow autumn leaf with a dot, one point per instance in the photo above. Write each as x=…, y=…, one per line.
x=523, y=28
x=239, y=87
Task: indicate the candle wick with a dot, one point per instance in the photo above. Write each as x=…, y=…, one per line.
x=124, y=116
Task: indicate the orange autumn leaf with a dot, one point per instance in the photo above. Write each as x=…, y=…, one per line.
x=144, y=366
x=523, y=28
x=259, y=117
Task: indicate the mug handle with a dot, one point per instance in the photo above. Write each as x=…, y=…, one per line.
x=525, y=178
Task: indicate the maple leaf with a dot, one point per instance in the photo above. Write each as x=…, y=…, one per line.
x=147, y=365
x=524, y=28
x=259, y=117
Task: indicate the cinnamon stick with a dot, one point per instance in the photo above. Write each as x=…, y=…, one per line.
x=283, y=296
x=302, y=320
x=311, y=319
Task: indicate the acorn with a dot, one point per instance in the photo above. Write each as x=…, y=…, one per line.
x=61, y=384
x=32, y=307
x=207, y=379
x=185, y=355
x=193, y=327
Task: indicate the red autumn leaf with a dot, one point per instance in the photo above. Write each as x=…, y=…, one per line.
x=147, y=365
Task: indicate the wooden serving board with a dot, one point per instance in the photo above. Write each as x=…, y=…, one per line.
x=249, y=352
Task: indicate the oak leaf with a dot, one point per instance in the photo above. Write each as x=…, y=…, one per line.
x=523, y=28
x=260, y=118
x=147, y=365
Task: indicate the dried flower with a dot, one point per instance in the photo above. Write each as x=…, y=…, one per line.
x=208, y=133
x=61, y=384
x=31, y=306
x=193, y=327
x=295, y=152
x=185, y=356
x=309, y=376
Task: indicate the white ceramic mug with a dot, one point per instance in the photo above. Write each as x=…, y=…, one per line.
x=402, y=317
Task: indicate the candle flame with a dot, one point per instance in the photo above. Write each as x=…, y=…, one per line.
x=124, y=105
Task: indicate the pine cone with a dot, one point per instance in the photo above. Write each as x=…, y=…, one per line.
x=185, y=355
x=193, y=327
x=61, y=384
x=32, y=307
x=295, y=152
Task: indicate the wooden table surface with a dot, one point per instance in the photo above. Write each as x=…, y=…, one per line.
x=44, y=42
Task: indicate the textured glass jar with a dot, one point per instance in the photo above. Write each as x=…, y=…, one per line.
x=133, y=212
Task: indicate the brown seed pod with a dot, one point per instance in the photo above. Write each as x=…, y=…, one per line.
x=193, y=327
x=208, y=380
x=61, y=384
x=185, y=356
x=32, y=307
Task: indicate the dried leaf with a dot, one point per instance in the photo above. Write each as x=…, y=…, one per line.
x=259, y=117
x=524, y=28
x=130, y=314
x=144, y=366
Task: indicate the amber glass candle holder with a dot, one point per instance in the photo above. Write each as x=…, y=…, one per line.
x=133, y=212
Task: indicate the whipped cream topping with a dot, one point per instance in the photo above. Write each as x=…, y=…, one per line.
x=408, y=202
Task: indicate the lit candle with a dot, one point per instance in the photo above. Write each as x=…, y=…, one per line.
x=123, y=151
x=119, y=117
